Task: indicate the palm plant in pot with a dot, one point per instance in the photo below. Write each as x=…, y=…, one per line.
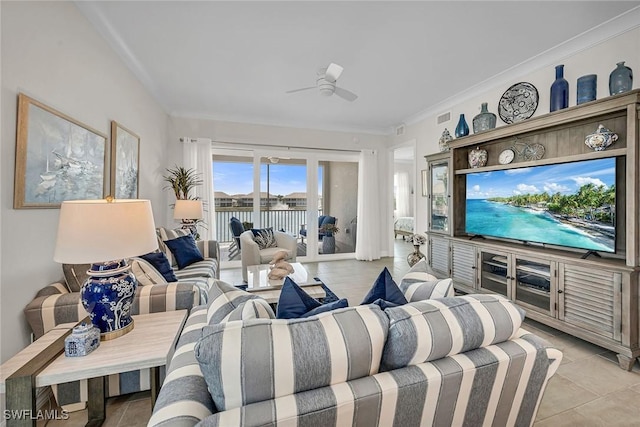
x=329, y=239
x=182, y=181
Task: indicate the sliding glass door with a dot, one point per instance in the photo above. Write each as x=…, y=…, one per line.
x=296, y=193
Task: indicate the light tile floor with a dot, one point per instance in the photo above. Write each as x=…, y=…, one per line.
x=588, y=390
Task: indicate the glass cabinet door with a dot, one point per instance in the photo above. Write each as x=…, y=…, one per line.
x=494, y=272
x=439, y=195
x=534, y=284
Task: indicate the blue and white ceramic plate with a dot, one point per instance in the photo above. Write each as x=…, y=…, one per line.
x=518, y=103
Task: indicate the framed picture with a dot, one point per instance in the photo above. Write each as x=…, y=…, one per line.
x=57, y=158
x=425, y=182
x=125, y=162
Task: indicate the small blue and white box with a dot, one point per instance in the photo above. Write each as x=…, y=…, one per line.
x=83, y=340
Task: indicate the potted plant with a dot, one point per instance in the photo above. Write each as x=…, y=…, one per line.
x=329, y=240
x=182, y=181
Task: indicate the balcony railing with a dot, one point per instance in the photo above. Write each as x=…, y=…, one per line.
x=286, y=219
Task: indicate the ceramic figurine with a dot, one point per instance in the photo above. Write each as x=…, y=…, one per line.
x=477, y=158
x=444, y=140
x=83, y=340
x=601, y=139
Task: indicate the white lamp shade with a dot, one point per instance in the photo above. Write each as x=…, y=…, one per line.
x=92, y=231
x=188, y=209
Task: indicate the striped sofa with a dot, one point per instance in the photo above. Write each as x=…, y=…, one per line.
x=451, y=361
x=60, y=303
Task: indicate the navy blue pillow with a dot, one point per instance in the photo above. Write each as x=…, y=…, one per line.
x=161, y=263
x=295, y=303
x=385, y=292
x=185, y=251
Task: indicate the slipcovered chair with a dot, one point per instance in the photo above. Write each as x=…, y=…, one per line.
x=322, y=220
x=251, y=254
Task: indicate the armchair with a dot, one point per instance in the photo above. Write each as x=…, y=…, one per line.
x=236, y=230
x=251, y=254
x=322, y=219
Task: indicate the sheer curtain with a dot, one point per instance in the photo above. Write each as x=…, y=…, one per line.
x=197, y=155
x=403, y=201
x=369, y=228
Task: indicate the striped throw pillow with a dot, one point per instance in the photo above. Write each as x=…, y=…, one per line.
x=253, y=309
x=420, y=272
x=223, y=298
x=420, y=291
x=429, y=330
x=258, y=360
x=145, y=273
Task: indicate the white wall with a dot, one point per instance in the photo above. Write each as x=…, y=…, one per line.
x=588, y=57
x=51, y=53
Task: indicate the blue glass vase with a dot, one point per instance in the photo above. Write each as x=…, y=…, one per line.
x=462, y=129
x=559, y=91
x=620, y=79
x=586, y=88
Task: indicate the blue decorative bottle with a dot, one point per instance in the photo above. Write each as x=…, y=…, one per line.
x=620, y=79
x=462, y=129
x=559, y=91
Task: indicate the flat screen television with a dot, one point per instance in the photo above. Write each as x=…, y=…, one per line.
x=566, y=204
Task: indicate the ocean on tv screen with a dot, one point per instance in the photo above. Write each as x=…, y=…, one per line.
x=568, y=204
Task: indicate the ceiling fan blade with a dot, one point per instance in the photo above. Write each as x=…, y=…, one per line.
x=301, y=89
x=346, y=94
x=333, y=72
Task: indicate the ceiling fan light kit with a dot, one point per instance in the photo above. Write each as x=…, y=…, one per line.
x=326, y=83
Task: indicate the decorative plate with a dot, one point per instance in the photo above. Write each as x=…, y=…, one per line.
x=534, y=152
x=518, y=103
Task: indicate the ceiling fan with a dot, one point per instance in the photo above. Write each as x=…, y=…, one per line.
x=326, y=83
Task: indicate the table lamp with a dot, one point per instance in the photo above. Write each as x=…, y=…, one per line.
x=104, y=233
x=188, y=212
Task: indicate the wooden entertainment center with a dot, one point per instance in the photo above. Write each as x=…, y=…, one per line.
x=596, y=299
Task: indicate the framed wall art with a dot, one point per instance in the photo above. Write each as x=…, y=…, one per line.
x=125, y=162
x=57, y=158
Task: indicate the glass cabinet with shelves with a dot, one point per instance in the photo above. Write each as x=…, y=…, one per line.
x=494, y=272
x=534, y=285
x=436, y=180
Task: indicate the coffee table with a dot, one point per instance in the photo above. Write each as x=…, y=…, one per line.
x=148, y=346
x=258, y=281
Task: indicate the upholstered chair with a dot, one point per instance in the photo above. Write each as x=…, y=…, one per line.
x=251, y=254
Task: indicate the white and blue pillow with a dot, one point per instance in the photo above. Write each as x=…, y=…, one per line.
x=294, y=302
x=264, y=237
x=385, y=292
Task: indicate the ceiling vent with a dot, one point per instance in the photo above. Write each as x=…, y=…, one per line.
x=400, y=130
x=443, y=118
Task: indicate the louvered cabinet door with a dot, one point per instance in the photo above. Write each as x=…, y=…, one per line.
x=590, y=299
x=463, y=265
x=439, y=255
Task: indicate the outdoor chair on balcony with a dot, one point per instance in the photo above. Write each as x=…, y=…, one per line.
x=322, y=220
x=236, y=230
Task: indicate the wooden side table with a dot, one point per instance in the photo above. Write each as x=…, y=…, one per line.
x=148, y=346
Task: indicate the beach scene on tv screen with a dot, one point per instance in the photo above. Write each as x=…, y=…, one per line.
x=568, y=204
